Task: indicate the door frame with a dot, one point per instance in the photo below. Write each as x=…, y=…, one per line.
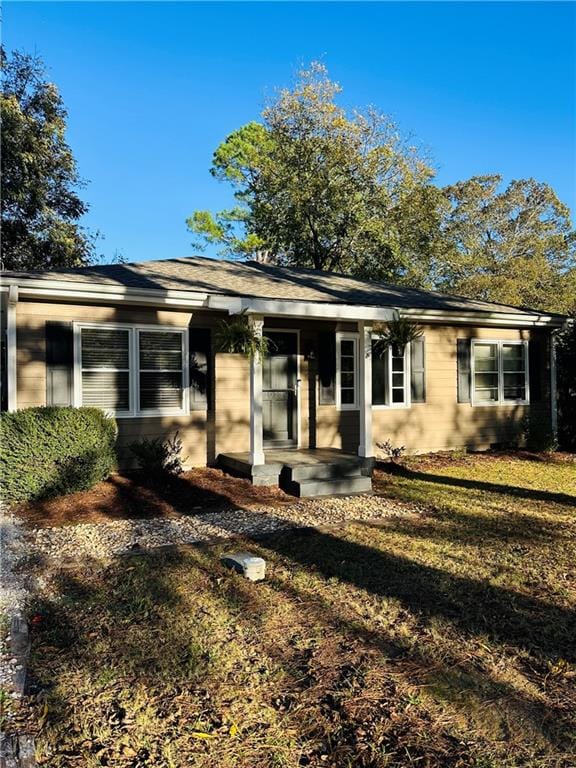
x=298, y=385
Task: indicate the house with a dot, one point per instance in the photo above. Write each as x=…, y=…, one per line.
x=138, y=340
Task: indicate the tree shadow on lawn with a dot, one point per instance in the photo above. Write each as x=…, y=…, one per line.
x=479, y=485
x=474, y=606
x=321, y=699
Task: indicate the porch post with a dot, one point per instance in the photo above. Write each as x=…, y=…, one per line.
x=256, y=432
x=11, y=374
x=365, y=389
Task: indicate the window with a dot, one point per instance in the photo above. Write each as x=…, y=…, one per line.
x=499, y=372
x=131, y=371
x=160, y=357
x=347, y=371
x=105, y=360
x=389, y=377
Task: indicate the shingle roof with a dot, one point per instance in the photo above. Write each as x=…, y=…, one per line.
x=252, y=279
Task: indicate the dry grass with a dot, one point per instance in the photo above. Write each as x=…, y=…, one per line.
x=434, y=641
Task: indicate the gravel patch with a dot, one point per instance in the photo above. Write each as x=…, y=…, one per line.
x=15, y=586
x=102, y=540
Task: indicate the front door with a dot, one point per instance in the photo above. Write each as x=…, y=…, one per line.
x=279, y=389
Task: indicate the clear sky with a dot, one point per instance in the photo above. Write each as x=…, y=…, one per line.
x=152, y=88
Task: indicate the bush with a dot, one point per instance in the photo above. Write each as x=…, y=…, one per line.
x=47, y=452
x=159, y=457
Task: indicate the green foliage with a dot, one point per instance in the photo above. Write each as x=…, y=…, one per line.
x=513, y=245
x=40, y=204
x=47, y=452
x=319, y=188
x=566, y=365
x=396, y=334
x=391, y=451
x=238, y=336
x=159, y=457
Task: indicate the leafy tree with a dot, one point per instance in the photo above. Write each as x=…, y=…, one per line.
x=40, y=204
x=513, y=245
x=316, y=187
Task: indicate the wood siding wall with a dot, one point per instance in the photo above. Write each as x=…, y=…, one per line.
x=440, y=423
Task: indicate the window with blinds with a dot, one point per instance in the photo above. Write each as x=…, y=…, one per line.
x=161, y=370
x=132, y=371
x=105, y=365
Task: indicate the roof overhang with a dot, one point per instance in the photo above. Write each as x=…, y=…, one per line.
x=96, y=293
x=46, y=289
x=308, y=310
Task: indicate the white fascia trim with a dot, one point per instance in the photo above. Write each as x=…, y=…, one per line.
x=104, y=294
x=503, y=319
x=300, y=309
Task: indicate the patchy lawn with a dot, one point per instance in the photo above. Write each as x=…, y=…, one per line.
x=438, y=641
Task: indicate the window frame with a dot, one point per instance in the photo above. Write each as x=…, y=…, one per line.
x=500, y=343
x=407, y=402
x=355, y=338
x=133, y=329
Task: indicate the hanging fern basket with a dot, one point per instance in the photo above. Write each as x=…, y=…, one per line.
x=396, y=334
x=239, y=337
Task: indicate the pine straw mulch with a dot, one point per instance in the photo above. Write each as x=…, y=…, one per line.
x=124, y=497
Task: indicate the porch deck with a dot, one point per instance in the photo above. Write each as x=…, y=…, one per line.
x=304, y=472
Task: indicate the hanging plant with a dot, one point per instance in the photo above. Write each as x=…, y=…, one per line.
x=395, y=334
x=239, y=337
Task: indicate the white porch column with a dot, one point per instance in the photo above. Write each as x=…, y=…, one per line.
x=11, y=374
x=256, y=431
x=365, y=389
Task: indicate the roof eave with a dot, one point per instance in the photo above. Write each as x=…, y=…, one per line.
x=92, y=292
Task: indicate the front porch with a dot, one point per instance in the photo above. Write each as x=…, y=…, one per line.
x=304, y=472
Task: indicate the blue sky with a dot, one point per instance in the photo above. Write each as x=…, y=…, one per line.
x=152, y=88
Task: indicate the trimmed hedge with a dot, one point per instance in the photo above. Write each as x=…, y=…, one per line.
x=47, y=452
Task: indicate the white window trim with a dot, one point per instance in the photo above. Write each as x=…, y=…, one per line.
x=407, y=384
x=501, y=401
x=340, y=406
x=134, y=370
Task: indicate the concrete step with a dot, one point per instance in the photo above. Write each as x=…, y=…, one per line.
x=326, y=471
x=320, y=486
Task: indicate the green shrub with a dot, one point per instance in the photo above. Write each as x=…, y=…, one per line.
x=158, y=457
x=47, y=452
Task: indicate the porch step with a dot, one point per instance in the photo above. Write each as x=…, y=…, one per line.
x=329, y=470
x=321, y=486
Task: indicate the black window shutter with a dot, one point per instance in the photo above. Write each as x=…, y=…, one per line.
x=536, y=368
x=200, y=349
x=418, y=371
x=327, y=367
x=59, y=363
x=463, y=355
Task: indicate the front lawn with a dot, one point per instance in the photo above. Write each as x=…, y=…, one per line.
x=442, y=640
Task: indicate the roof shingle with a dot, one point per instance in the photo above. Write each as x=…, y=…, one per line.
x=253, y=279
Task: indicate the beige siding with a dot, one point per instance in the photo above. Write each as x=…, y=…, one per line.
x=31, y=355
x=232, y=401
x=440, y=423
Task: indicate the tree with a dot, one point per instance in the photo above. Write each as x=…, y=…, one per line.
x=40, y=204
x=513, y=246
x=318, y=188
